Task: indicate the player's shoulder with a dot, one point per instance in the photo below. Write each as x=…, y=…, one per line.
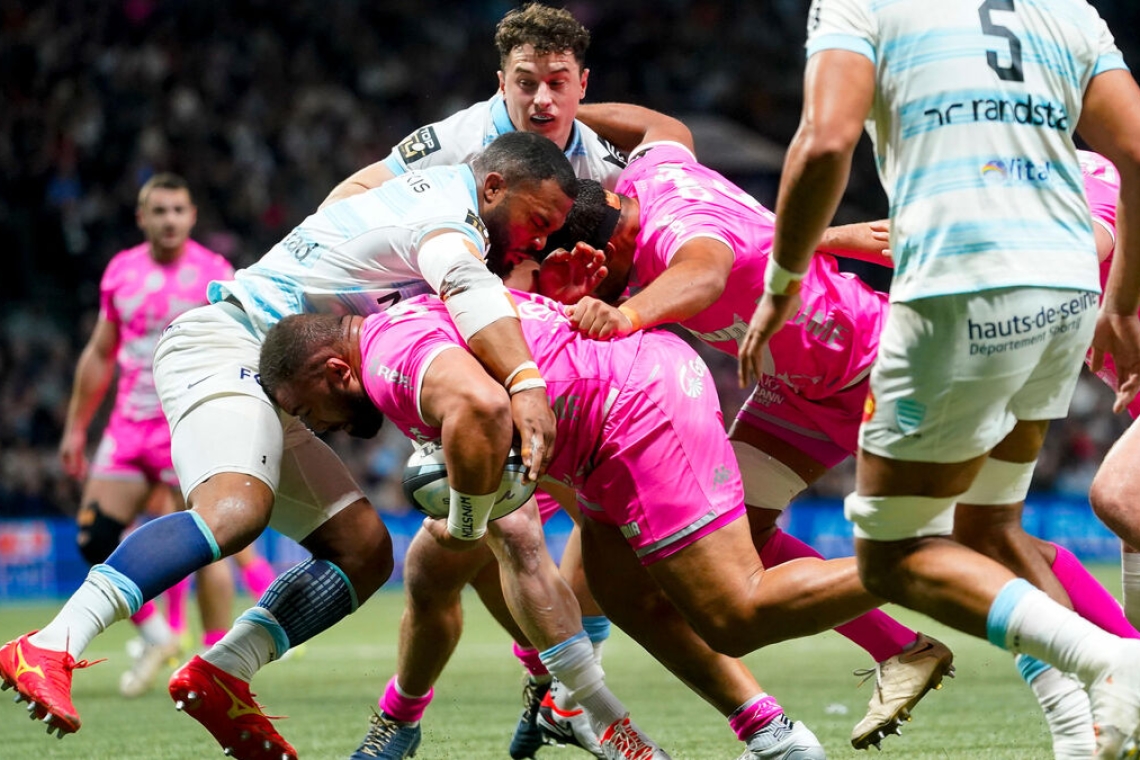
x=200, y=252
x=453, y=139
x=128, y=258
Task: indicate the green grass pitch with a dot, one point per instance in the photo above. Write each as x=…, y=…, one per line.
x=985, y=712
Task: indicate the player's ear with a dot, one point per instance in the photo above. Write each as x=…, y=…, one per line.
x=584, y=82
x=338, y=372
x=494, y=187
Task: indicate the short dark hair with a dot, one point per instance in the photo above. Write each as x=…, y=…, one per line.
x=591, y=220
x=295, y=347
x=166, y=181
x=549, y=30
x=525, y=157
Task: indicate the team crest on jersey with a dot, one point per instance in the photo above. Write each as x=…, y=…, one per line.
x=418, y=144
x=474, y=220
x=909, y=415
x=691, y=377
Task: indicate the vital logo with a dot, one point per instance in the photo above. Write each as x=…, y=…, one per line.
x=418, y=144
x=1030, y=112
x=1009, y=171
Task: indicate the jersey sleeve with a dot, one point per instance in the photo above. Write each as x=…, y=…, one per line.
x=842, y=25
x=1109, y=56
x=454, y=140
x=398, y=348
x=108, y=284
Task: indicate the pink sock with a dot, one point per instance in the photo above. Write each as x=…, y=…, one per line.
x=148, y=609
x=1090, y=599
x=400, y=706
x=875, y=631
x=257, y=576
x=530, y=660
x=176, y=605
x=209, y=638
x=753, y=715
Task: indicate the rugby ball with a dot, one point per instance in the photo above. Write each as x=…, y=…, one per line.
x=426, y=486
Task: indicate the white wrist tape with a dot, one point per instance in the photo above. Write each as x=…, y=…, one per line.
x=517, y=370
x=468, y=515
x=526, y=385
x=453, y=265
x=779, y=281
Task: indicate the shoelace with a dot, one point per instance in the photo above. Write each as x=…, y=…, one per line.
x=381, y=732
x=531, y=699
x=864, y=675
x=629, y=743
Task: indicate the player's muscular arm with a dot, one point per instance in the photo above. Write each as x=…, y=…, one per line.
x=865, y=241
x=93, y=377
x=371, y=176
x=1110, y=123
x=474, y=413
x=694, y=279
x=627, y=126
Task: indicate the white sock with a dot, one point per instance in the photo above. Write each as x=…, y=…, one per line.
x=94, y=606
x=156, y=630
x=1038, y=626
x=243, y=651
x=1130, y=577
x=1067, y=712
x=572, y=662
x=600, y=645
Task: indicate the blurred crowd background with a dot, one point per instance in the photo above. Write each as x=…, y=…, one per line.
x=264, y=106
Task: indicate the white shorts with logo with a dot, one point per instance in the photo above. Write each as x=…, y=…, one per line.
x=205, y=370
x=955, y=373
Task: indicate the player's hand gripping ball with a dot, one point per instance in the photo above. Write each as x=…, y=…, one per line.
x=426, y=486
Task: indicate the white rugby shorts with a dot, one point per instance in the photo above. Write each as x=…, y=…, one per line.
x=205, y=370
x=955, y=373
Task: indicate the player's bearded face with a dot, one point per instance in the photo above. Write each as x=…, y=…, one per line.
x=364, y=419
x=520, y=221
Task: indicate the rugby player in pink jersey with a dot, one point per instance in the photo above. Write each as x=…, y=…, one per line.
x=694, y=246
x=1114, y=489
x=142, y=289
x=804, y=415
x=640, y=438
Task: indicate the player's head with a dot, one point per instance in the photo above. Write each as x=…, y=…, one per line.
x=542, y=69
x=527, y=187
x=308, y=367
x=166, y=213
x=605, y=221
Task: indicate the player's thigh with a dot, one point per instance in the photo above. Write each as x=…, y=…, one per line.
x=315, y=485
x=955, y=373
x=434, y=574
x=712, y=578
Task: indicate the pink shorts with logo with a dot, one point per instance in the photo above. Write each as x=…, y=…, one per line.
x=664, y=472
x=135, y=450
x=827, y=429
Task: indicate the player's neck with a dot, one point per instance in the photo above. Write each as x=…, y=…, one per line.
x=167, y=255
x=350, y=330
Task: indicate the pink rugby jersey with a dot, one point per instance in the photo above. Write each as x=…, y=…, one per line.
x=1102, y=188
x=830, y=342
x=141, y=296
x=582, y=375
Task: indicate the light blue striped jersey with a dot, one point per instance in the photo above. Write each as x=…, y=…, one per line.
x=359, y=255
x=459, y=137
x=975, y=105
